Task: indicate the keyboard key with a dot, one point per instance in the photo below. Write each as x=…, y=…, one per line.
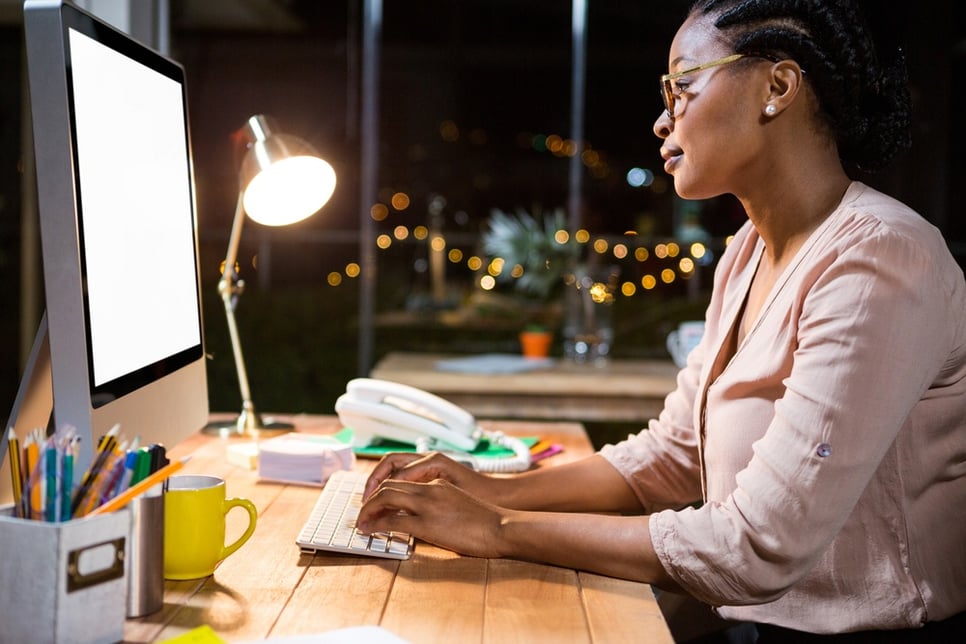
x=399, y=543
x=379, y=542
x=359, y=542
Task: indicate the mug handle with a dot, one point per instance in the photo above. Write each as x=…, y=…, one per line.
x=253, y=518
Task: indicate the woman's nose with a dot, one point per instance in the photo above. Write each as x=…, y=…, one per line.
x=663, y=125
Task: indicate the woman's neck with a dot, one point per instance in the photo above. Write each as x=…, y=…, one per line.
x=788, y=211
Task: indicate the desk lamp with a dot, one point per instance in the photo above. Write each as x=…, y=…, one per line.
x=282, y=181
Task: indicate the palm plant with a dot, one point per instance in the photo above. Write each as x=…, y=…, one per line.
x=536, y=252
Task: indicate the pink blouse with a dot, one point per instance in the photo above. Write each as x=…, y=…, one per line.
x=830, y=452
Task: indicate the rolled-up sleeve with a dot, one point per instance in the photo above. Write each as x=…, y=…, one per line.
x=661, y=463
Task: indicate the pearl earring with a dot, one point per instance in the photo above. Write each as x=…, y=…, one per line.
x=770, y=110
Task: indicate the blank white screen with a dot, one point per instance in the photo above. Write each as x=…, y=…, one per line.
x=136, y=208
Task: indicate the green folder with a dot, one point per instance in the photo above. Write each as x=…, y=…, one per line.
x=383, y=446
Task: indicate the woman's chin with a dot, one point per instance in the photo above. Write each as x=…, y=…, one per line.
x=692, y=190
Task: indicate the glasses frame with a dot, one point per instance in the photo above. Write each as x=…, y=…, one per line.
x=667, y=91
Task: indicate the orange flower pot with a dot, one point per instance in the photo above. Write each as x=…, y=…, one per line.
x=535, y=344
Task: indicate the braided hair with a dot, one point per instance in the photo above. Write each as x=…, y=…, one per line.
x=863, y=100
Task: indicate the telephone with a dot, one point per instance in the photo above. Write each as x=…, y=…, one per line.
x=382, y=409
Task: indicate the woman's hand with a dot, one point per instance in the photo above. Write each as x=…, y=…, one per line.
x=436, y=499
x=441, y=513
x=427, y=467
x=438, y=512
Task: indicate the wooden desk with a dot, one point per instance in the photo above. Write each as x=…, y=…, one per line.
x=269, y=589
x=619, y=391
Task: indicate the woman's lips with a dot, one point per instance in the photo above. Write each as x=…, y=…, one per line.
x=670, y=162
x=671, y=158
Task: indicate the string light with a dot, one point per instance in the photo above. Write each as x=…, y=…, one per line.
x=695, y=253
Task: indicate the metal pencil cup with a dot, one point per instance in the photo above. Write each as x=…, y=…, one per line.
x=145, y=554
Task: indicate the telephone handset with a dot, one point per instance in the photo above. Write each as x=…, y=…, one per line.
x=383, y=409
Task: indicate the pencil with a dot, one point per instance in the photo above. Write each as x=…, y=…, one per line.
x=128, y=495
x=15, y=473
x=539, y=446
x=92, y=497
x=66, y=483
x=105, y=447
x=50, y=475
x=33, y=472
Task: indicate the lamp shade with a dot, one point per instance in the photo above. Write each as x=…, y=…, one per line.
x=283, y=178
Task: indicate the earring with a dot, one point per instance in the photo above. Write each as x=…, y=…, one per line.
x=770, y=110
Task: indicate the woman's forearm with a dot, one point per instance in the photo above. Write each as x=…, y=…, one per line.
x=588, y=485
x=617, y=546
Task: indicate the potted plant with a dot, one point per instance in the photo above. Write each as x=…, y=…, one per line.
x=535, y=340
x=536, y=253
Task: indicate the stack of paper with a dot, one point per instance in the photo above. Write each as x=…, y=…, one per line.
x=244, y=455
x=303, y=458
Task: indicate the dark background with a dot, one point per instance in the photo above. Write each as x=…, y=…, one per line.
x=466, y=86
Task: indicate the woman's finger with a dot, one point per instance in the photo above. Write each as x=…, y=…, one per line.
x=387, y=468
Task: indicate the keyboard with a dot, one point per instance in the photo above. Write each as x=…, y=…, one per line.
x=331, y=525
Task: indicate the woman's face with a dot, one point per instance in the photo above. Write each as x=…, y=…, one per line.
x=715, y=140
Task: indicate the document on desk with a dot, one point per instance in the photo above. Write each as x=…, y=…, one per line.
x=493, y=363
x=367, y=634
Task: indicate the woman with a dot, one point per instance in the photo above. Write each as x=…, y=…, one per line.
x=822, y=419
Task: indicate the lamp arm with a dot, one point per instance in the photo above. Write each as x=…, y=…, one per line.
x=229, y=290
x=228, y=276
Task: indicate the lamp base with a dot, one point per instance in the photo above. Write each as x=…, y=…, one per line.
x=248, y=424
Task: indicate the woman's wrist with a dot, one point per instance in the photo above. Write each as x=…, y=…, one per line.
x=500, y=490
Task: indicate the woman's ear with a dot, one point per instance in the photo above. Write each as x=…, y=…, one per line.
x=785, y=82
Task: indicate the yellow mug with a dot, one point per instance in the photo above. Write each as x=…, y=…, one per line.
x=195, y=508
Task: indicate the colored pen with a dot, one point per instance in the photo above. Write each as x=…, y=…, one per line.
x=125, y=497
x=550, y=451
x=158, y=457
x=130, y=460
x=142, y=467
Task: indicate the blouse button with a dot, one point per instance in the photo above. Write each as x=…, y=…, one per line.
x=823, y=450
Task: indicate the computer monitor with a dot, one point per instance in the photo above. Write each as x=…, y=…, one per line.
x=119, y=237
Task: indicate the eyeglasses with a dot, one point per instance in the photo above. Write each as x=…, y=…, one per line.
x=667, y=89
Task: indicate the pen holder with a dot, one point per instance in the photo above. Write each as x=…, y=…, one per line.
x=145, y=553
x=63, y=582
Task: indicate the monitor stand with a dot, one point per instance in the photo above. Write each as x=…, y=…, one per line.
x=33, y=405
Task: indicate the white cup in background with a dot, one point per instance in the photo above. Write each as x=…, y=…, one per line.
x=682, y=340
